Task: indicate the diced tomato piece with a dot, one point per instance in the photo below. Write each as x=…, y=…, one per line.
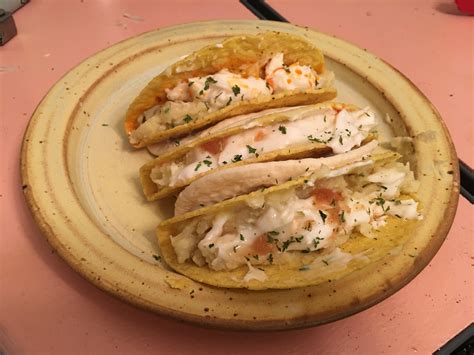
x=271, y=83
x=326, y=196
x=333, y=215
x=260, y=135
x=261, y=246
x=214, y=147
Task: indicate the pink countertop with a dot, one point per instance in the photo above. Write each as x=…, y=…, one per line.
x=46, y=308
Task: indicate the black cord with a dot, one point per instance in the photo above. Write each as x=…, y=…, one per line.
x=262, y=10
x=467, y=181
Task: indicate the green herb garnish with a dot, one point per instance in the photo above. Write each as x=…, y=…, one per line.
x=308, y=226
x=236, y=158
x=252, y=150
x=314, y=139
x=236, y=90
x=270, y=258
x=282, y=129
x=316, y=242
x=209, y=80
x=286, y=244
x=323, y=216
x=342, y=217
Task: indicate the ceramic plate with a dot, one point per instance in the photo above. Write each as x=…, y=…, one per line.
x=80, y=178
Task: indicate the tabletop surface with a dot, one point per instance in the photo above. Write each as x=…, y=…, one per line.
x=46, y=308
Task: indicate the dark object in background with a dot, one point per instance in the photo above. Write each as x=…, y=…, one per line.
x=7, y=24
x=12, y=5
x=466, y=6
x=7, y=27
x=461, y=344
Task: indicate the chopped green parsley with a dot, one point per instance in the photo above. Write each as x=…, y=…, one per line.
x=251, y=149
x=209, y=80
x=323, y=216
x=282, y=129
x=236, y=90
x=187, y=118
x=342, y=217
x=270, y=258
x=236, y=158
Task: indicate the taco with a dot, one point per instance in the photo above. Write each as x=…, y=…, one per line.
x=299, y=233
x=162, y=147
x=308, y=131
x=243, y=179
x=240, y=75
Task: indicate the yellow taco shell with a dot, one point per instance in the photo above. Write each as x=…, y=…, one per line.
x=357, y=251
x=245, y=55
x=153, y=192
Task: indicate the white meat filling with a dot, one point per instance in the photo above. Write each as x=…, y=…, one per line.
x=341, y=131
x=194, y=97
x=304, y=219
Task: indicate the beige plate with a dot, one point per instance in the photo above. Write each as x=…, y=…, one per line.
x=81, y=182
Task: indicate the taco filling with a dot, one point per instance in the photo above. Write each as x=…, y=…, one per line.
x=340, y=130
x=197, y=96
x=318, y=215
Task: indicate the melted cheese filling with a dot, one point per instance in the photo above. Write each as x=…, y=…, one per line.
x=298, y=220
x=341, y=131
x=194, y=97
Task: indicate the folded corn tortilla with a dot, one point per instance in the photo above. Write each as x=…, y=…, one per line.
x=299, y=233
x=241, y=75
x=229, y=183
x=277, y=134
